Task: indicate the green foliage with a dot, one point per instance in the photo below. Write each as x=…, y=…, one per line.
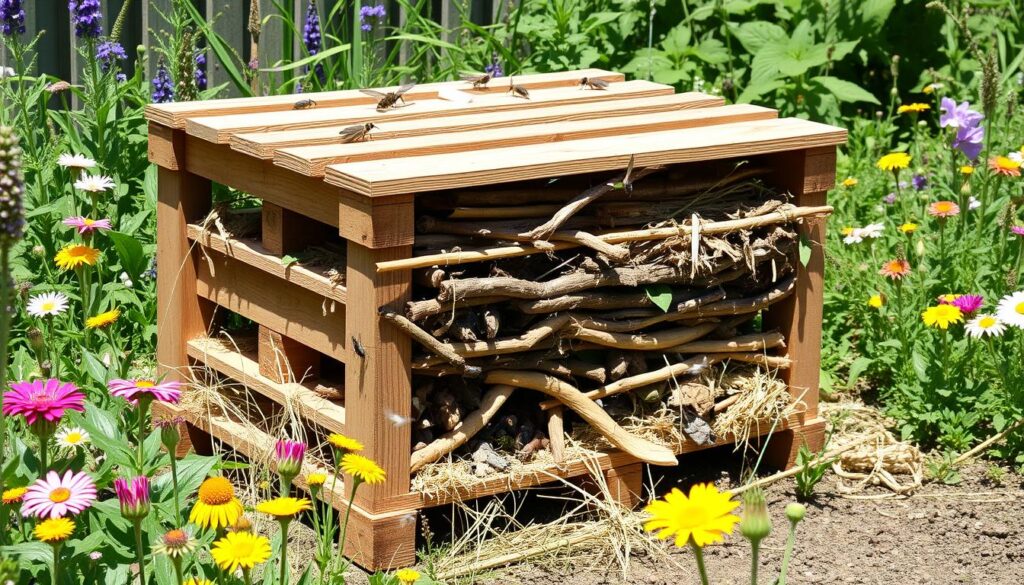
x=812, y=470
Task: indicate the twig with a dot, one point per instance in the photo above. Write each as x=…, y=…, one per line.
x=988, y=442
x=430, y=342
x=470, y=426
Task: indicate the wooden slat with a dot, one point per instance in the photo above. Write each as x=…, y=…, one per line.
x=450, y=171
x=313, y=160
x=175, y=114
x=220, y=129
x=243, y=368
x=253, y=254
x=265, y=144
x=284, y=307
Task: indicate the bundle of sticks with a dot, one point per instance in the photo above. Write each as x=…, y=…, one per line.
x=634, y=283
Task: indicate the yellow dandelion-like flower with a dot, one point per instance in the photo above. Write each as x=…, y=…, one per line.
x=316, y=479
x=14, y=495
x=363, y=469
x=284, y=508
x=850, y=182
x=846, y=231
x=705, y=517
x=103, y=319
x=876, y=301
x=915, y=108
x=54, y=530
x=407, y=576
x=196, y=581
x=343, y=443
x=894, y=161
x=908, y=228
x=75, y=256
x=942, y=316
x=967, y=170
x=217, y=505
x=240, y=550
x=932, y=87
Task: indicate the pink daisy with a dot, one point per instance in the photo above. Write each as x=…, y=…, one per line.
x=1018, y=230
x=130, y=390
x=55, y=496
x=86, y=225
x=46, y=399
x=968, y=303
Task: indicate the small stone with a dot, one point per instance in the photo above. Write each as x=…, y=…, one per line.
x=997, y=531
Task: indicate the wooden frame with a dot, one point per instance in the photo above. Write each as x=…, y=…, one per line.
x=309, y=186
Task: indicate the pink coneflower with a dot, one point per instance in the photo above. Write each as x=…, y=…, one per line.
x=132, y=390
x=968, y=303
x=42, y=399
x=1018, y=230
x=54, y=496
x=943, y=209
x=133, y=495
x=895, y=269
x=288, y=457
x=84, y=225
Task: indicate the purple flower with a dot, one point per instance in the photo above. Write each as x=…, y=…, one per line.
x=1018, y=230
x=12, y=189
x=920, y=182
x=298, y=87
x=200, y=71
x=889, y=199
x=313, y=39
x=958, y=116
x=121, y=78
x=494, y=69
x=108, y=53
x=367, y=14
x=87, y=18
x=969, y=140
x=163, y=87
x=968, y=303
x=133, y=496
x=12, y=18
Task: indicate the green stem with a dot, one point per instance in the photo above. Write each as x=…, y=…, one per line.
x=139, y=554
x=246, y=577
x=176, y=561
x=44, y=444
x=344, y=525
x=698, y=554
x=140, y=451
x=284, y=553
x=755, y=560
x=790, y=543
x=174, y=481
x=54, y=578
x=5, y=322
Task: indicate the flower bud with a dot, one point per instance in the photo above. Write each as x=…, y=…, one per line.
x=170, y=436
x=755, y=524
x=133, y=496
x=795, y=512
x=288, y=457
x=35, y=339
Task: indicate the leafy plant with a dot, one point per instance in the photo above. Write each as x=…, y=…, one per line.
x=812, y=469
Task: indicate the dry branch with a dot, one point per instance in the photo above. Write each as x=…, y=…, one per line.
x=642, y=342
x=430, y=342
x=684, y=310
x=419, y=310
x=556, y=433
x=470, y=426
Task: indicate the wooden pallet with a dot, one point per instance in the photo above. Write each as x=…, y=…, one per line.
x=313, y=187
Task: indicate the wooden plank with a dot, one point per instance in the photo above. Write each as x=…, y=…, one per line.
x=282, y=359
x=243, y=368
x=451, y=171
x=220, y=129
x=264, y=144
x=253, y=254
x=284, y=307
x=181, y=315
x=382, y=222
x=286, y=232
x=314, y=160
x=379, y=378
x=174, y=115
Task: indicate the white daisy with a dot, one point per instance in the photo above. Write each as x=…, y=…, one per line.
x=47, y=304
x=872, y=230
x=854, y=237
x=1016, y=156
x=72, y=437
x=7, y=72
x=985, y=325
x=94, y=183
x=75, y=161
x=973, y=203
x=1011, y=309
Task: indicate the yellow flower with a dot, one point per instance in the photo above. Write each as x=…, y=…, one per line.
x=407, y=576
x=914, y=108
x=13, y=495
x=284, y=508
x=846, y=231
x=103, y=319
x=876, y=301
x=967, y=170
x=703, y=518
x=908, y=228
x=240, y=550
x=942, y=316
x=217, y=505
x=54, y=530
x=1002, y=165
x=76, y=255
x=894, y=161
x=931, y=87
x=850, y=182
x=363, y=469
x=343, y=443
x=175, y=543
x=316, y=479
x=195, y=581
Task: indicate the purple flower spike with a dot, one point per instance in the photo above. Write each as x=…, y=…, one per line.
x=313, y=39
x=163, y=87
x=370, y=15
x=86, y=17
x=108, y=53
x=200, y=71
x=12, y=18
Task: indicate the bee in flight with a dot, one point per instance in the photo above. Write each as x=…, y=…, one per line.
x=593, y=83
x=478, y=81
x=356, y=133
x=517, y=90
x=304, y=104
x=389, y=100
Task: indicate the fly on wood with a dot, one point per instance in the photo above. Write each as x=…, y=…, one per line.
x=478, y=81
x=304, y=104
x=356, y=133
x=389, y=100
x=357, y=346
x=517, y=90
x=593, y=83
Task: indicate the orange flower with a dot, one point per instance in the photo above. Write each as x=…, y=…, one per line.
x=1002, y=165
x=895, y=269
x=943, y=209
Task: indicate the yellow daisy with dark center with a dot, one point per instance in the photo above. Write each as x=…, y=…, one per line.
x=217, y=506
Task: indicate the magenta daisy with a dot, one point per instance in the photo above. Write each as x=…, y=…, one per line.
x=968, y=303
x=1018, y=230
x=288, y=457
x=42, y=399
x=84, y=225
x=54, y=496
x=132, y=390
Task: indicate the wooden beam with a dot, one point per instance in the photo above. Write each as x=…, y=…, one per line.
x=286, y=232
x=282, y=359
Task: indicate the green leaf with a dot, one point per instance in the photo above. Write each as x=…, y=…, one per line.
x=805, y=250
x=755, y=35
x=223, y=52
x=425, y=40
x=875, y=12
x=94, y=367
x=844, y=90
x=755, y=91
x=133, y=258
x=288, y=260
x=311, y=60
x=660, y=295
x=858, y=367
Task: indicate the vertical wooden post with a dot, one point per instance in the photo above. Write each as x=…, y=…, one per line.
x=286, y=232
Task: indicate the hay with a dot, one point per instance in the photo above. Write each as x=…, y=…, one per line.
x=762, y=402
